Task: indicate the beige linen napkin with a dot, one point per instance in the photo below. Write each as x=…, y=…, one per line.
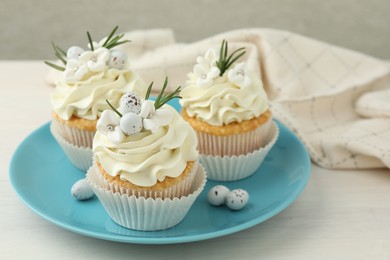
x=335, y=100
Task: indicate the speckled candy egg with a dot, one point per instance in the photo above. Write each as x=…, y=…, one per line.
x=117, y=59
x=237, y=199
x=131, y=123
x=74, y=52
x=81, y=190
x=130, y=103
x=217, y=195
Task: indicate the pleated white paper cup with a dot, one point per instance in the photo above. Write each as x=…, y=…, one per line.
x=145, y=214
x=79, y=156
x=235, y=144
x=174, y=191
x=233, y=168
x=75, y=136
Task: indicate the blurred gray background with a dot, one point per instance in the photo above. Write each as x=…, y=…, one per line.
x=28, y=27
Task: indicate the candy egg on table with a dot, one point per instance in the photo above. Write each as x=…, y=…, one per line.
x=81, y=190
x=236, y=199
x=217, y=195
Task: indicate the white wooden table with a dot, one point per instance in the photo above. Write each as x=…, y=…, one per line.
x=339, y=215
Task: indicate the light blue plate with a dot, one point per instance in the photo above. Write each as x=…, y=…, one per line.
x=42, y=177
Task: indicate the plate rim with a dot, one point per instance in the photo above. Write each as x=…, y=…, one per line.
x=163, y=240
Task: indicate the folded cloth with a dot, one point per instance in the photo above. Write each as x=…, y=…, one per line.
x=334, y=99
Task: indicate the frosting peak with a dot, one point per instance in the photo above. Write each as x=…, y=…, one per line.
x=87, y=98
x=233, y=97
x=148, y=157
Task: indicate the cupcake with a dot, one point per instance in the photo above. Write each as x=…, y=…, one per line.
x=89, y=77
x=146, y=171
x=226, y=105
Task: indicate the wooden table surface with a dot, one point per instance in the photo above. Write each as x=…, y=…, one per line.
x=340, y=214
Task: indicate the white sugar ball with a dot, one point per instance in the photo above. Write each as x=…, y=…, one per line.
x=131, y=123
x=74, y=52
x=117, y=59
x=237, y=199
x=81, y=190
x=129, y=102
x=217, y=195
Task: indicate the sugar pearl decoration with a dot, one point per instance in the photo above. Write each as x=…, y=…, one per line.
x=130, y=103
x=131, y=123
x=117, y=59
x=81, y=190
x=237, y=199
x=74, y=52
x=217, y=195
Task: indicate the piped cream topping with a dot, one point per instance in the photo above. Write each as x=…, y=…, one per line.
x=87, y=98
x=224, y=102
x=146, y=158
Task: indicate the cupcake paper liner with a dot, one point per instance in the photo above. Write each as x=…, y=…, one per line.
x=75, y=136
x=141, y=213
x=235, y=144
x=178, y=190
x=81, y=157
x=232, y=168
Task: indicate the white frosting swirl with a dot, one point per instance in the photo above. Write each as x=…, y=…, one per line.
x=145, y=158
x=224, y=102
x=87, y=98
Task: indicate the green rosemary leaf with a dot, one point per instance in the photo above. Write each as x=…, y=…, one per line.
x=169, y=97
x=156, y=103
x=54, y=66
x=60, y=58
x=63, y=53
x=58, y=50
x=110, y=36
x=235, y=59
x=116, y=44
x=90, y=41
x=225, y=61
x=113, y=40
x=161, y=98
x=113, y=108
x=233, y=53
x=148, y=91
x=221, y=51
x=225, y=51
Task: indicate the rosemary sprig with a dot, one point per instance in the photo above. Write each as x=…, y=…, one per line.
x=110, y=36
x=60, y=54
x=112, y=41
x=148, y=91
x=109, y=43
x=225, y=61
x=90, y=41
x=54, y=66
x=113, y=108
x=161, y=98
